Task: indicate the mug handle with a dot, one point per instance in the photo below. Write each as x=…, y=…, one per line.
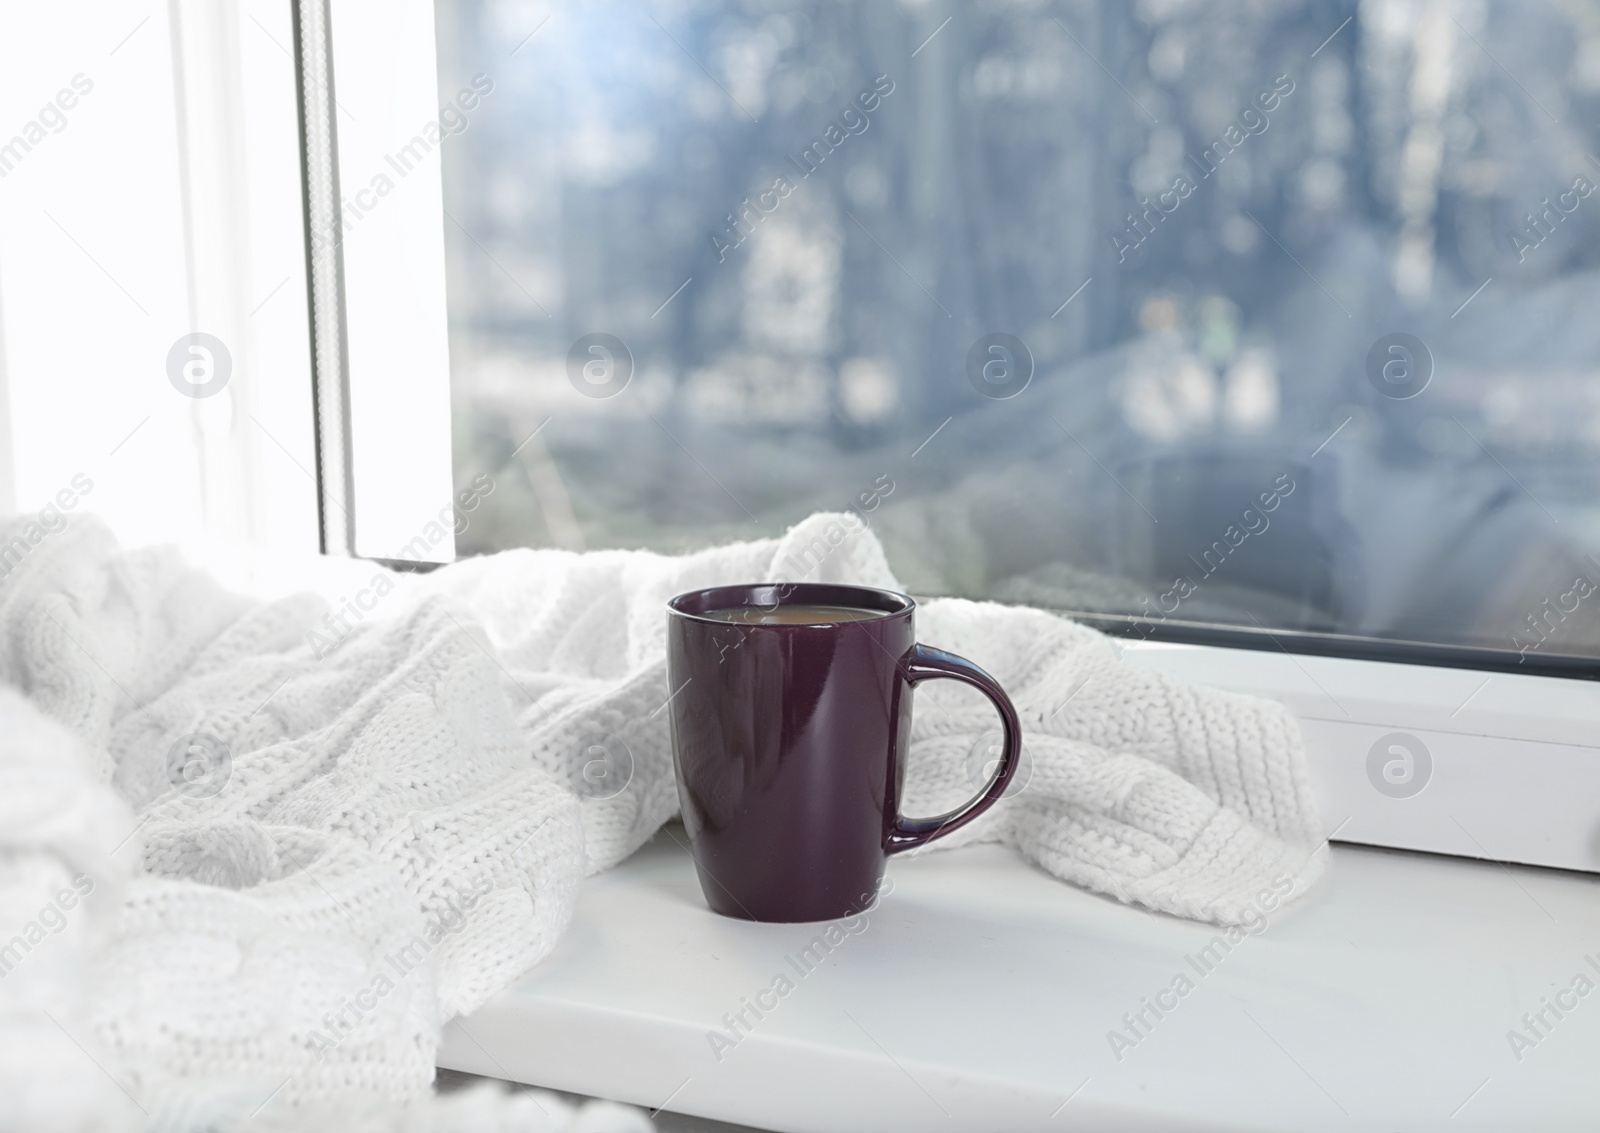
x=920, y=664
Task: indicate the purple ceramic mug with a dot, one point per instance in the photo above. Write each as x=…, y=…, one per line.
x=790, y=743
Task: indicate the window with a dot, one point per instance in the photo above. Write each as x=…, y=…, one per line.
x=1191, y=313
x=1219, y=326
x=1222, y=324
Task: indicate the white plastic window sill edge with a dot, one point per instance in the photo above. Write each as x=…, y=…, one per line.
x=1501, y=766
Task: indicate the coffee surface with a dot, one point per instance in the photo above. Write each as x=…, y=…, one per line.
x=796, y=614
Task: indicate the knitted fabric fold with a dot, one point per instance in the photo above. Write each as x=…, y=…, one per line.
x=309, y=852
x=1181, y=799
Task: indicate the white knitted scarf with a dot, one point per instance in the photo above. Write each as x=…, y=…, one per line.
x=254, y=854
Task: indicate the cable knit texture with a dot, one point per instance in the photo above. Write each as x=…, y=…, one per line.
x=311, y=835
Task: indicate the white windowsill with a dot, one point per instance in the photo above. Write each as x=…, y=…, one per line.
x=983, y=988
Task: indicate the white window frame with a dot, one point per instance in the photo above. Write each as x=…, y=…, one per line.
x=1515, y=756
x=383, y=243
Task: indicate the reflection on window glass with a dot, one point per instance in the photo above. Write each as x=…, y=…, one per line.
x=1275, y=316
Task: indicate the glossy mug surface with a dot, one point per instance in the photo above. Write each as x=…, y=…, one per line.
x=790, y=736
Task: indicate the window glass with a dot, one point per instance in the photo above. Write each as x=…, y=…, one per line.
x=1268, y=316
